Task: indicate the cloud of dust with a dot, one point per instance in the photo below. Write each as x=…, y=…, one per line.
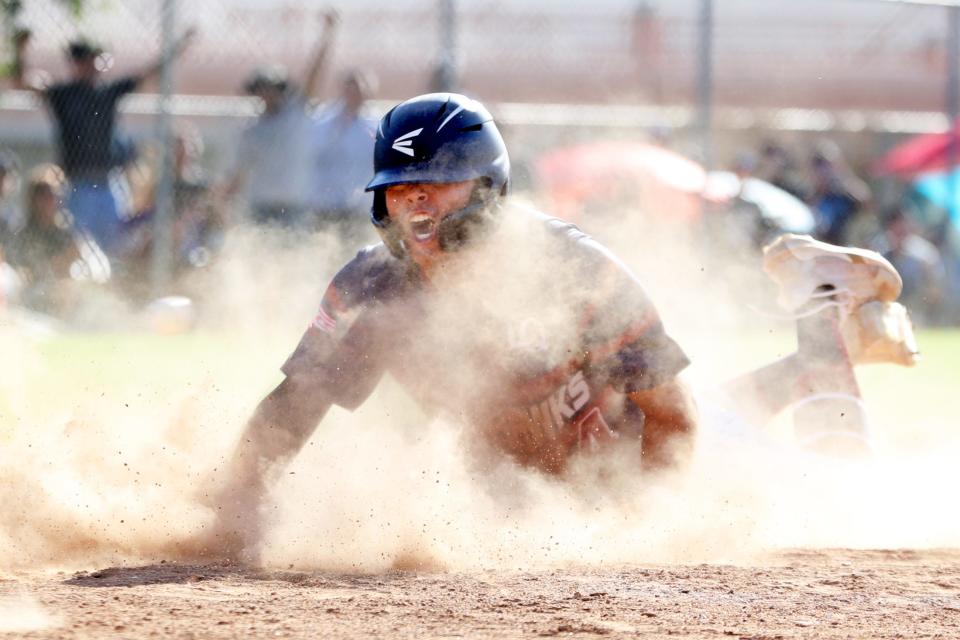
x=21, y=613
x=389, y=486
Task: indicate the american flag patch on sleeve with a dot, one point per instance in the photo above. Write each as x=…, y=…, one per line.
x=324, y=322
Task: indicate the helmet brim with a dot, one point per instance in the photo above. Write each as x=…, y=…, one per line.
x=419, y=174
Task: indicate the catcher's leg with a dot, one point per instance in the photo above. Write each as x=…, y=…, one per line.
x=818, y=380
x=844, y=301
x=828, y=412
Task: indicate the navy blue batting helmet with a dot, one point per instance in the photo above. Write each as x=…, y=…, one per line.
x=440, y=138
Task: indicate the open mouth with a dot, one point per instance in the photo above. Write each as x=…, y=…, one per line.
x=423, y=227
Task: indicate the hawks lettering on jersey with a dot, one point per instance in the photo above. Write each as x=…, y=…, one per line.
x=561, y=405
x=569, y=413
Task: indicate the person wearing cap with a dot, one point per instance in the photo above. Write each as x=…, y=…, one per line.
x=84, y=110
x=56, y=263
x=275, y=154
x=344, y=135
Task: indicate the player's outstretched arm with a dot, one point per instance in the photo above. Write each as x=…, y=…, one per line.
x=152, y=69
x=282, y=423
x=19, y=69
x=669, y=427
x=317, y=70
x=278, y=429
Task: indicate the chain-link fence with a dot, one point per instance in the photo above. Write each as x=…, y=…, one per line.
x=848, y=55
x=866, y=73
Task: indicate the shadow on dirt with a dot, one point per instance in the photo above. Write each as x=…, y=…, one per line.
x=162, y=573
x=176, y=573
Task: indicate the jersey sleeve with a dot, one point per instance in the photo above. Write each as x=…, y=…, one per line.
x=123, y=86
x=625, y=339
x=339, y=354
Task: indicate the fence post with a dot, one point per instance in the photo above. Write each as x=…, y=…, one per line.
x=162, y=258
x=953, y=112
x=446, y=74
x=705, y=83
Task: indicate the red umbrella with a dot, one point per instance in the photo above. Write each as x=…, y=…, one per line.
x=920, y=154
x=618, y=173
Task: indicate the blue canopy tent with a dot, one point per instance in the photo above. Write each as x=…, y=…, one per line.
x=941, y=189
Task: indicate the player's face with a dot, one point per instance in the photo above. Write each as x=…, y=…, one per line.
x=85, y=68
x=418, y=209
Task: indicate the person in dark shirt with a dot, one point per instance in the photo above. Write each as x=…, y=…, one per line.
x=919, y=262
x=84, y=110
x=836, y=193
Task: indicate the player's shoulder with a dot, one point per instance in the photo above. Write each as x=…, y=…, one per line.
x=61, y=88
x=373, y=276
x=564, y=238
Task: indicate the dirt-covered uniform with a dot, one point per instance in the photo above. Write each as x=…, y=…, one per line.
x=538, y=361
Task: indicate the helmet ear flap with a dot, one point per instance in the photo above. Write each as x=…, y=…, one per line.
x=378, y=213
x=384, y=226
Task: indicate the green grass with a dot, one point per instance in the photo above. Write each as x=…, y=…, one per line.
x=918, y=405
x=71, y=373
x=65, y=372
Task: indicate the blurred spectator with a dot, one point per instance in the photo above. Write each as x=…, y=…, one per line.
x=9, y=219
x=736, y=227
x=275, y=159
x=197, y=225
x=51, y=257
x=344, y=136
x=11, y=216
x=84, y=110
x=9, y=283
x=199, y=228
x=836, y=193
x=745, y=165
x=646, y=45
x=777, y=166
x=919, y=263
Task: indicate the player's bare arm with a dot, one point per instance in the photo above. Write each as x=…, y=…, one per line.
x=283, y=421
x=669, y=425
x=179, y=47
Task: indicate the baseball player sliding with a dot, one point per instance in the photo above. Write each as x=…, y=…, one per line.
x=524, y=328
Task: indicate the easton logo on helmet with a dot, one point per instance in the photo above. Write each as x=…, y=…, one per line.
x=404, y=143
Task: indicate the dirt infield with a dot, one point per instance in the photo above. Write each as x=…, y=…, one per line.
x=799, y=594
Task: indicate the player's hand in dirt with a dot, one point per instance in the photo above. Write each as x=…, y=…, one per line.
x=234, y=531
x=237, y=525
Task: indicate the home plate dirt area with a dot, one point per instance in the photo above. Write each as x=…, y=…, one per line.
x=834, y=593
